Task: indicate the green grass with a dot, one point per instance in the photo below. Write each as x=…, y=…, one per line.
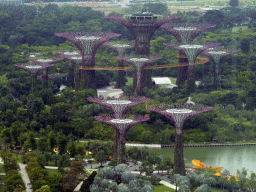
x=215, y=189
x=130, y=81
x=18, y=157
x=162, y=188
x=235, y=29
x=51, y=172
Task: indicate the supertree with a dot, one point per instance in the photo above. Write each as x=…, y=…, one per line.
x=41, y=60
x=33, y=68
x=71, y=65
x=216, y=55
x=178, y=114
x=121, y=49
x=118, y=106
x=139, y=62
x=142, y=26
x=121, y=125
x=88, y=43
x=184, y=33
x=192, y=50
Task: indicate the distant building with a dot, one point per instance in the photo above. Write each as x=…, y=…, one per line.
x=11, y=2
x=145, y=1
x=119, y=6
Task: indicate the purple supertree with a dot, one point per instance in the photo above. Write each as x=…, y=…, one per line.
x=142, y=26
x=216, y=55
x=121, y=125
x=184, y=33
x=33, y=68
x=88, y=43
x=192, y=50
x=118, y=106
x=178, y=114
x=139, y=62
x=73, y=63
x=42, y=60
x=121, y=49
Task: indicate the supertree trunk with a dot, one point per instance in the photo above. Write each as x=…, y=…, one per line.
x=122, y=148
x=121, y=76
x=191, y=80
x=33, y=84
x=45, y=77
x=182, y=71
x=217, y=76
x=71, y=73
x=78, y=79
x=179, y=165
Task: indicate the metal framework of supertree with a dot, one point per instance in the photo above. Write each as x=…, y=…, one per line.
x=121, y=125
x=121, y=49
x=184, y=33
x=179, y=114
x=41, y=60
x=88, y=43
x=33, y=68
x=216, y=55
x=118, y=106
x=73, y=63
x=139, y=62
x=192, y=50
x=142, y=26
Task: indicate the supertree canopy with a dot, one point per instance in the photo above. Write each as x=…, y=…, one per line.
x=216, y=55
x=184, y=33
x=192, y=50
x=33, y=68
x=120, y=105
x=142, y=26
x=88, y=43
x=178, y=114
x=121, y=125
x=121, y=49
x=139, y=62
x=42, y=60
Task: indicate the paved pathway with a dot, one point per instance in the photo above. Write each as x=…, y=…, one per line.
x=25, y=178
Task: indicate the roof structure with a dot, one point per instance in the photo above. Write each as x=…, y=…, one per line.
x=162, y=80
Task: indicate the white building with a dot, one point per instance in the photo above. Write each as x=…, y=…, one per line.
x=11, y=2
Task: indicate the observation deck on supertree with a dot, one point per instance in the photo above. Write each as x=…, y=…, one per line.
x=192, y=50
x=120, y=105
x=139, y=62
x=121, y=49
x=184, y=33
x=41, y=60
x=216, y=55
x=33, y=68
x=178, y=114
x=88, y=43
x=76, y=55
x=121, y=125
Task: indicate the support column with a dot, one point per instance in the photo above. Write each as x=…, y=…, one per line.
x=179, y=165
x=45, y=77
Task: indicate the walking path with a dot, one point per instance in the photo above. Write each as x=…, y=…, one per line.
x=25, y=178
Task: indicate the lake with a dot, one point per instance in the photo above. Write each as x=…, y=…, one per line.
x=231, y=158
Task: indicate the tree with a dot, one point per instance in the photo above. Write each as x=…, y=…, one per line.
x=51, y=140
x=101, y=157
x=62, y=143
x=72, y=149
x=42, y=144
x=203, y=188
x=146, y=168
x=44, y=188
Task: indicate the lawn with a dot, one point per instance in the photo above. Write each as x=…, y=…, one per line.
x=52, y=172
x=162, y=188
